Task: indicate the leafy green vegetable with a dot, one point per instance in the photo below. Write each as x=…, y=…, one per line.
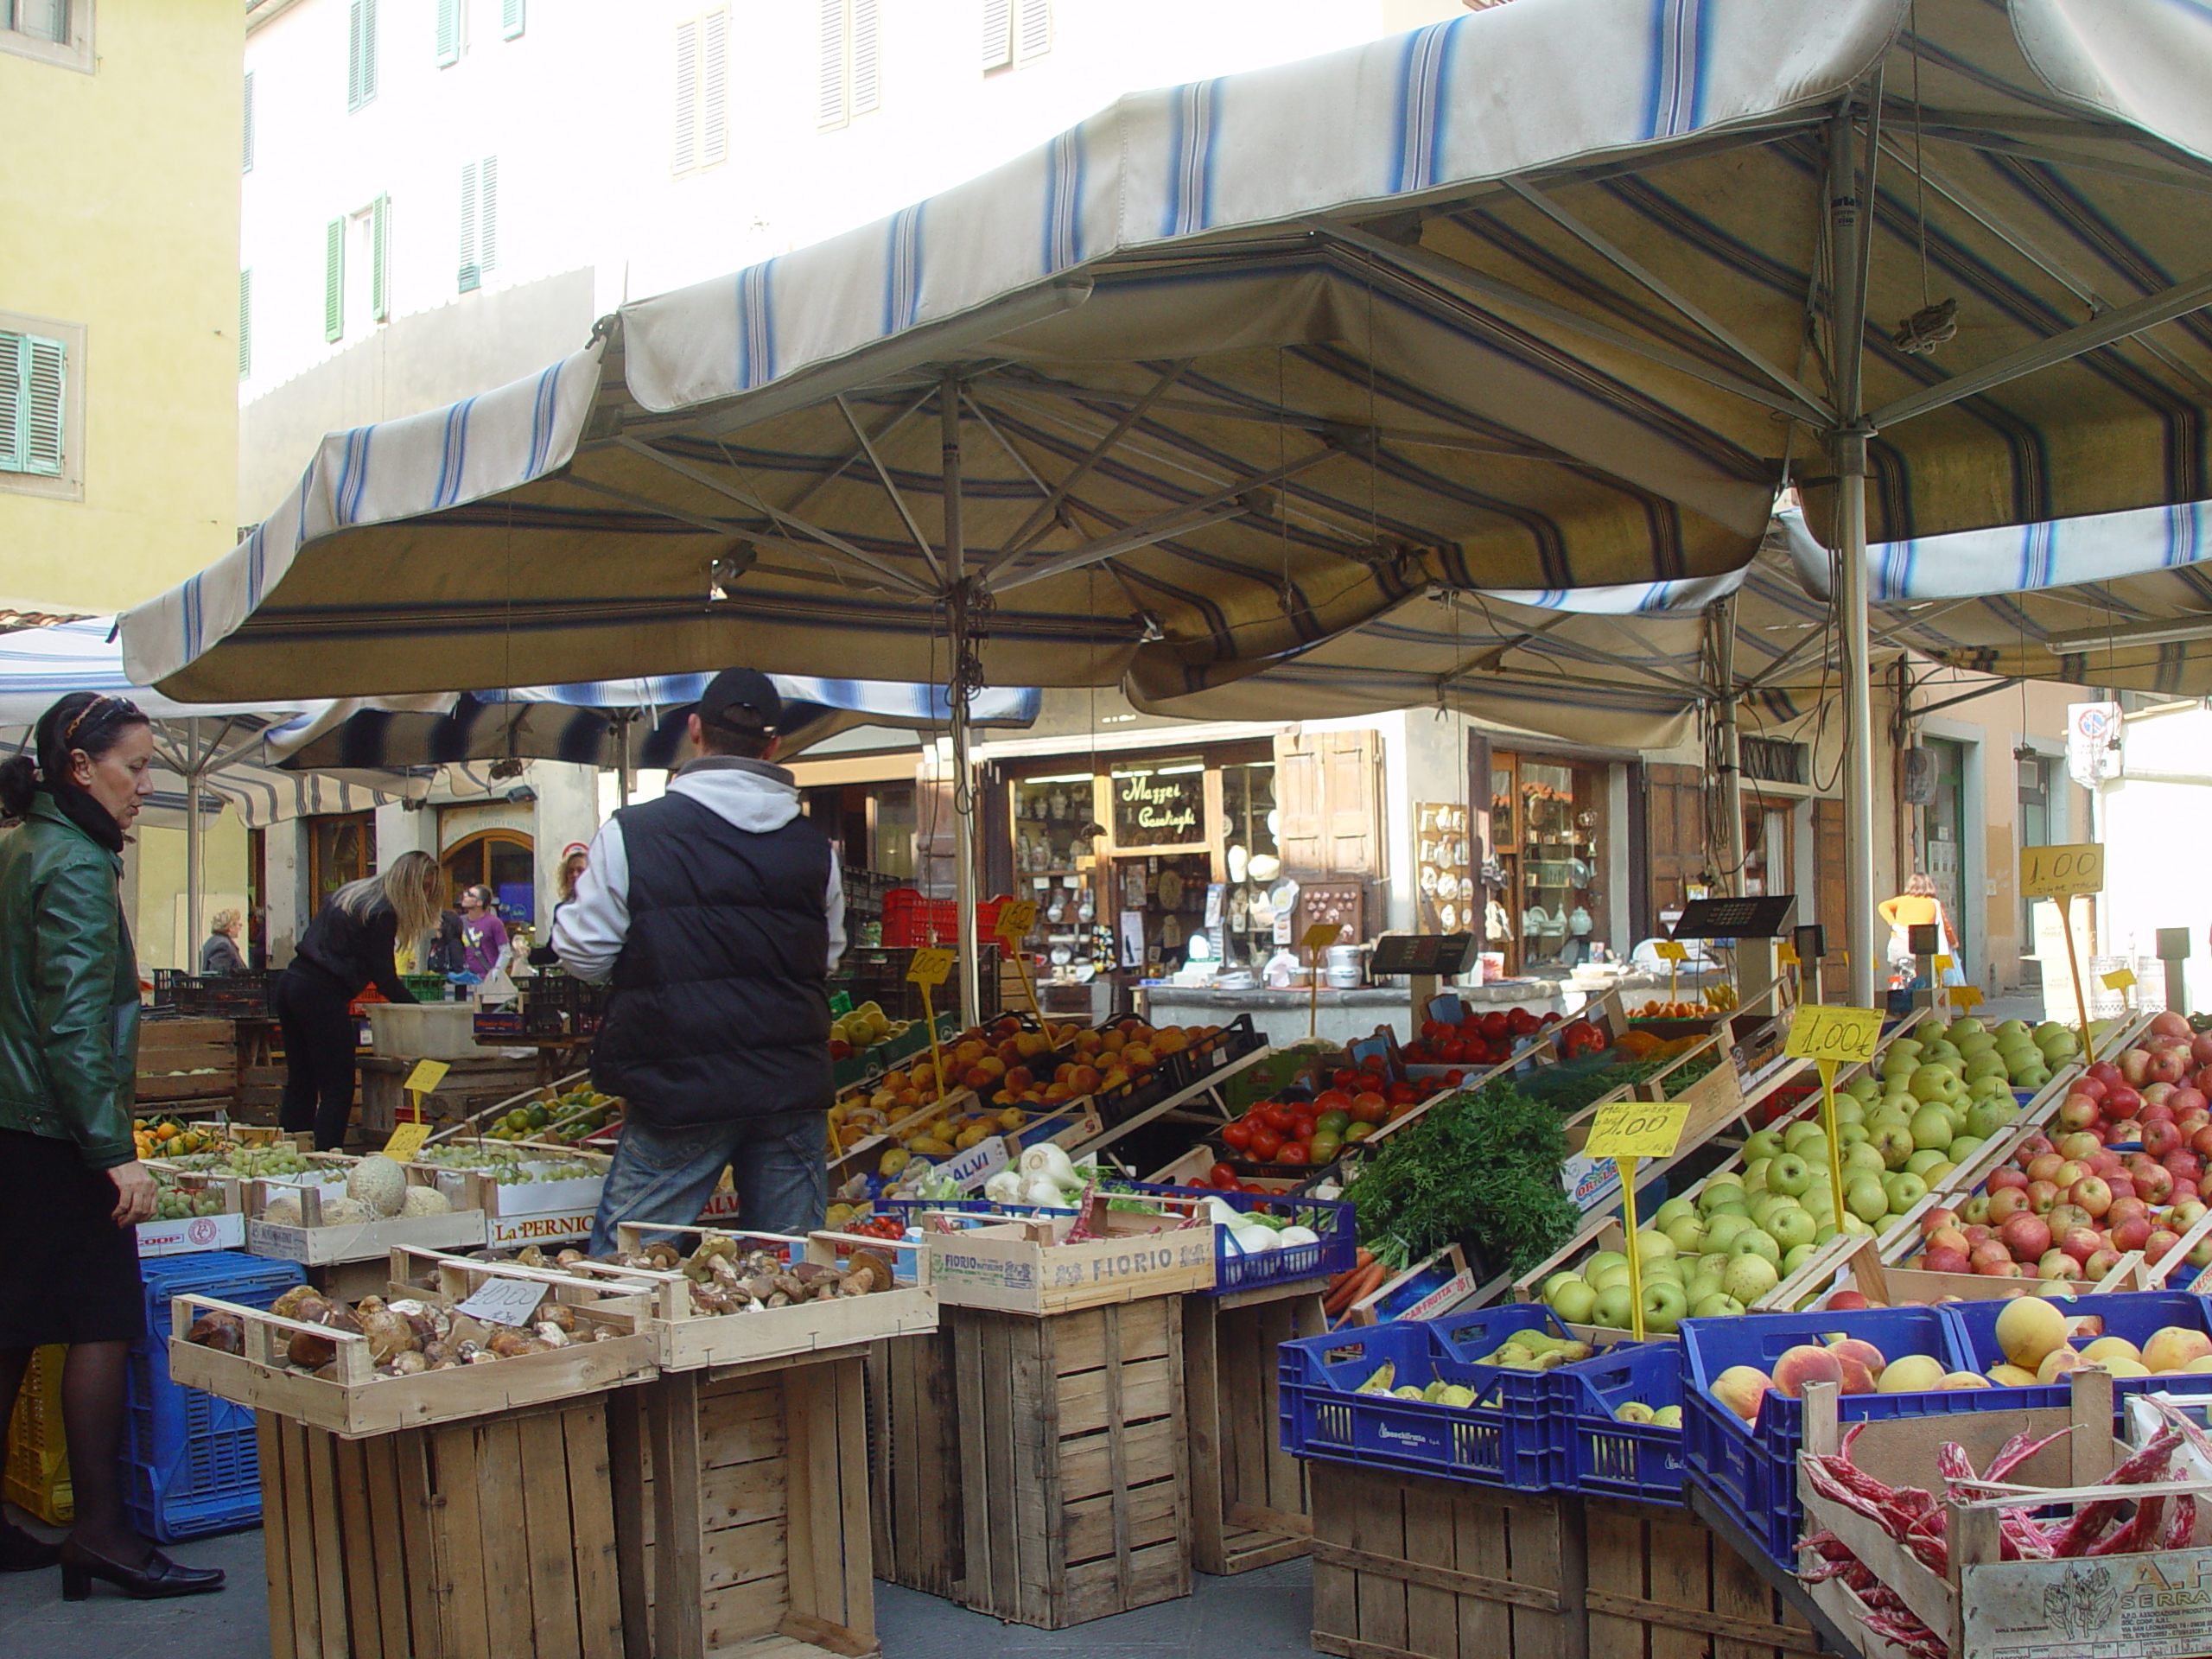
x=1482, y=1168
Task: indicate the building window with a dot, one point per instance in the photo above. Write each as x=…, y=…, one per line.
x=702, y=92
x=362, y=239
x=511, y=19
x=53, y=31
x=42, y=406
x=247, y=165
x=850, y=66
x=449, y=32
x=245, y=324
x=1015, y=31
x=479, y=221
x=360, y=53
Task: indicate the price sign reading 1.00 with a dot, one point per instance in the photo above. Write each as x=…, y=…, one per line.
x=930, y=966
x=1824, y=1032
x=1636, y=1129
x=2061, y=872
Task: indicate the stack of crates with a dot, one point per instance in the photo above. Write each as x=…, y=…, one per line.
x=190, y=1466
x=38, y=1460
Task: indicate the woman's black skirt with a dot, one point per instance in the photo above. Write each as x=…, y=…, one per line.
x=72, y=1273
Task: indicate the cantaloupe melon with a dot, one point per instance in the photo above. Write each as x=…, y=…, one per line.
x=379, y=1183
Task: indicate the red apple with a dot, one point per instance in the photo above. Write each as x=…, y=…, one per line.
x=2058, y=1264
x=2002, y=1270
x=2001, y=1179
x=2200, y=1142
x=2092, y=1194
x=1976, y=1211
x=2107, y=1163
x=1846, y=1301
x=1978, y=1232
x=2006, y=1203
x=2155, y=1184
x=2167, y=1066
x=2183, y=1164
x=2159, y=1139
x=1939, y=1259
x=2201, y=1079
x=2123, y=1186
x=2082, y=1242
x=2078, y=1112
x=2185, y=1214
x=2042, y=1195
x=2155, y=1094
x=2065, y=1214
x=2027, y=1237
x=1945, y=1238
x=2160, y=1245
x=2200, y=1048
x=1988, y=1251
x=2152, y=1114
x=2100, y=1264
x=2186, y=1191
x=2103, y=1073
x=2131, y=1234
x=2080, y=1145
x=1937, y=1218
x=2070, y=1172
x=2045, y=1167
x=2126, y=1208
x=2170, y=1026
x=2121, y=1102
x=2133, y=1064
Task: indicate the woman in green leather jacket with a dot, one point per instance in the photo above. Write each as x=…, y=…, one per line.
x=71, y=1191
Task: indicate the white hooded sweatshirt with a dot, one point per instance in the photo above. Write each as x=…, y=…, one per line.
x=590, y=930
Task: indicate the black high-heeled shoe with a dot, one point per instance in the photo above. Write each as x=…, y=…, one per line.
x=158, y=1578
x=21, y=1552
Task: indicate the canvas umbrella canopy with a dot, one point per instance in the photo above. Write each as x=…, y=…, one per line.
x=618, y=724
x=1560, y=293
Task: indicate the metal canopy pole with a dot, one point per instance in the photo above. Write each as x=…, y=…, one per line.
x=1722, y=619
x=192, y=775
x=1848, y=445
x=958, y=598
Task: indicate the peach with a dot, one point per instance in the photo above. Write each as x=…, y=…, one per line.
x=2056, y=1364
x=2105, y=1348
x=2175, y=1348
x=1804, y=1365
x=1862, y=1363
x=2029, y=1328
x=1741, y=1387
x=1964, y=1380
x=1911, y=1374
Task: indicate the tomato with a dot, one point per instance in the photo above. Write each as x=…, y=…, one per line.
x=1221, y=1175
x=1433, y=1031
x=1237, y=1137
x=1332, y=1100
x=1454, y=1078
x=1304, y=1128
x=1335, y=1123
x=1496, y=1025
x=1294, y=1153
x=1280, y=1118
x=1521, y=1022
x=1266, y=1144
x=1323, y=1147
x=1344, y=1078
x=1455, y=1049
x=1549, y=1020
x=1370, y=1106
x=1358, y=1133
x=1402, y=1091
x=1371, y=1080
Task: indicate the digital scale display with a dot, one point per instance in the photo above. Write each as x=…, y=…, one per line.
x=1764, y=917
x=1421, y=953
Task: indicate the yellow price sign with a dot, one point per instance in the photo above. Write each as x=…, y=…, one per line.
x=1823, y=1031
x=1670, y=951
x=1942, y=964
x=1786, y=954
x=1321, y=936
x=1016, y=918
x=1636, y=1129
x=930, y=966
x=2120, y=979
x=406, y=1141
x=2061, y=872
x=426, y=1076
x=1964, y=996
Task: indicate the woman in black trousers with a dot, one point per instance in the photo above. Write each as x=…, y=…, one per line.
x=348, y=946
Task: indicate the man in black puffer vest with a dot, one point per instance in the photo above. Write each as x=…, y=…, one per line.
x=717, y=912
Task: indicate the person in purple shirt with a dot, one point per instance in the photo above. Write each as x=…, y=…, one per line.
x=483, y=935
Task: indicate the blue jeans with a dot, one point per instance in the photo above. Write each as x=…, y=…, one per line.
x=661, y=1178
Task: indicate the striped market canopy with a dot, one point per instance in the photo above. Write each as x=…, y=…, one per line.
x=586, y=724
x=1541, y=299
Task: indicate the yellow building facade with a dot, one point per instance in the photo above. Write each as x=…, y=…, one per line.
x=120, y=313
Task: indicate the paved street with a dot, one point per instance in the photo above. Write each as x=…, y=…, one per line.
x=1259, y=1616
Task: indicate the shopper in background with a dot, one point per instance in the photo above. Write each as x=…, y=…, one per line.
x=219, y=951
x=446, y=952
x=72, y=1189
x=483, y=935
x=717, y=912
x=576, y=859
x=1918, y=906
x=348, y=947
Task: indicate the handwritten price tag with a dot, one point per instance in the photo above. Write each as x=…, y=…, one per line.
x=2061, y=872
x=2120, y=979
x=406, y=1141
x=1016, y=918
x=930, y=966
x=1670, y=951
x=1321, y=936
x=504, y=1301
x=1636, y=1129
x=1824, y=1033
x=426, y=1076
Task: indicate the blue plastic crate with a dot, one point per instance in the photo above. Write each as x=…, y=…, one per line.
x=1610, y=1458
x=2134, y=1314
x=1751, y=1469
x=189, y=1464
x=1506, y=1438
x=1233, y=1270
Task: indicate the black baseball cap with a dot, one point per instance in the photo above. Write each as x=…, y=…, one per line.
x=740, y=700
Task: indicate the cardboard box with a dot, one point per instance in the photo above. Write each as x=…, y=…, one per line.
x=1029, y=1267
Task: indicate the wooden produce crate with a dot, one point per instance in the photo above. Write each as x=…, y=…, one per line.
x=1074, y=1460
x=1027, y=1267
x=1248, y=1504
x=1408, y=1565
x=356, y=1402
x=497, y=1535
x=524, y=1212
x=914, y=1472
x=755, y=1480
x=185, y=1061
x=313, y=1243
x=470, y=1089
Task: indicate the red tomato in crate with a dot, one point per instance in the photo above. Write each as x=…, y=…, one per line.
x=1521, y=1022
x=1434, y=1031
x=1237, y=1137
x=1334, y=1100
x=1496, y=1025
x=1278, y=1117
x=1221, y=1175
x=1294, y=1153
x=1398, y=1091
x=1266, y=1144
x=1302, y=1126
x=1344, y=1076
x=1369, y=1106
x=1453, y=1049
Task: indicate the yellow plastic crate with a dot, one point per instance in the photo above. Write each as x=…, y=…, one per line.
x=38, y=1458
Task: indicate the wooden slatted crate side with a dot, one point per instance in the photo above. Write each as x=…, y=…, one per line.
x=914, y=1469
x=1075, y=1460
x=1249, y=1502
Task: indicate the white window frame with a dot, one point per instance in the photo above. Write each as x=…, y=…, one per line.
x=1013, y=33
x=839, y=26
x=699, y=117
x=361, y=88
x=480, y=254
x=76, y=53
x=69, y=484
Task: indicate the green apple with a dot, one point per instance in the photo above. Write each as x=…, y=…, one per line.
x=1965, y=1026
x=1862, y=1155
x=1722, y=1232
x=1851, y=1135
x=1849, y=1109
x=1756, y=1243
x=1986, y=1117
x=1896, y=1144
x=1573, y=1301
x=1942, y=1052
x=1866, y=1091
x=1797, y=1257
x=1789, y=1175
x=1751, y=1277
x=1761, y=1143
x=1687, y=1232
x=1654, y=1246
x=1701, y=1285
x=1935, y=1174
x=1671, y=1212
x=1604, y=1278
x=1905, y=1190
x=1719, y=1190
x=1803, y=1134
x=1717, y=1304
x=1919, y=1162
x=1565, y=1276
x=1665, y=1307
x=1612, y=1306
x=1819, y=1202
x=1859, y=1226
x=1931, y=1127
x=1603, y=1259
x=1934, y=1081
x=1791, y=1227
x=1864, y=1197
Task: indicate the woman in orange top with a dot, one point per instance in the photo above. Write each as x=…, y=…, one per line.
x=1918, y=906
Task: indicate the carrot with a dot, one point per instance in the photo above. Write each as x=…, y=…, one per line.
x=1364, y=1282
x=1362, y=1257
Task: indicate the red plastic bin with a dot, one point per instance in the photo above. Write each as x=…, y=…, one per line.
x=909, y=919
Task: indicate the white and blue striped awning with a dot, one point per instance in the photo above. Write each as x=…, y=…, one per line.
x=1536, y=299
x=584, y=723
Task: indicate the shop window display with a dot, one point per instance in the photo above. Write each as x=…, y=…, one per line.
x=1251, y=861
x=1548, y=819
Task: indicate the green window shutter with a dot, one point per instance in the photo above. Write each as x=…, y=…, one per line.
x=361, y=52
x=471, y=275
x=380, y=258
x=245, y=324
x=333, y=279
x=248, y=166
x=511, y=19
x=448, y=31
x=487, y=213
x=34, y=373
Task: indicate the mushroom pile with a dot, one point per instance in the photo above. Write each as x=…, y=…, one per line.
x=727, y=1280
x=406, y=1337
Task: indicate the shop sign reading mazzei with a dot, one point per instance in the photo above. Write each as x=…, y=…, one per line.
x=1159, y=808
